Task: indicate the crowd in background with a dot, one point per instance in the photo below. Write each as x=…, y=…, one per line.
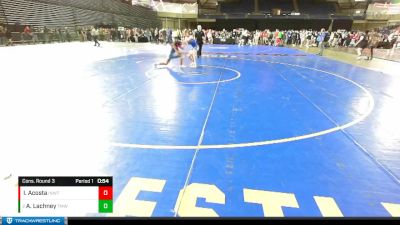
x=306, y=38
x=384, y=37
x=68, y=34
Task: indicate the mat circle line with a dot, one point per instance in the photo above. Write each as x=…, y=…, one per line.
x=238, y=74
x=233, y=146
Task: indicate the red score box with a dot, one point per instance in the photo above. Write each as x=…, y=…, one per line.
x=105, y=193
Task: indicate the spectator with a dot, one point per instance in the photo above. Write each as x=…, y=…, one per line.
x=373, y=42
x=156, y=35
x=393, y=38
x=361, y=44
x=46, y=34
x=209, y=37
x=8, y=36
x=27, y=33
x=95, y=35
x=322, y=40
x=60, y=35
x=34, y=34
x=169, y=36
x=67, y=34
x=81, y=34
x=2, y=36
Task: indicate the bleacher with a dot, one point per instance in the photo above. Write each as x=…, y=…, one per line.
x=107, y=6
x=36, y=13
x=72, y=13
x=141, y=14
x=3, y=19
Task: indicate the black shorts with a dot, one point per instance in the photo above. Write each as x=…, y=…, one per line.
x=362, y=44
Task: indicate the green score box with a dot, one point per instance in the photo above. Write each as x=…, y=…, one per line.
x=105, y=206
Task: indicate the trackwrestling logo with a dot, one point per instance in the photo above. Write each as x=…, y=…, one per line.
x=33, y=220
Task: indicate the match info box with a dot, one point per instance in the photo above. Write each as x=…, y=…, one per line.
x=65, y=195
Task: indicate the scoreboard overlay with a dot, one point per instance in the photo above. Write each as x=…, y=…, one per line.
x=64, y=195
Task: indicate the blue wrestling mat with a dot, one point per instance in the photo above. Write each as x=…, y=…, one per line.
x=252, y=131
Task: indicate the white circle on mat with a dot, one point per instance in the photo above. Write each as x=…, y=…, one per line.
x=233, y=146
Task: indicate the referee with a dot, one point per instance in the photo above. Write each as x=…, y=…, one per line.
x=199, y=35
